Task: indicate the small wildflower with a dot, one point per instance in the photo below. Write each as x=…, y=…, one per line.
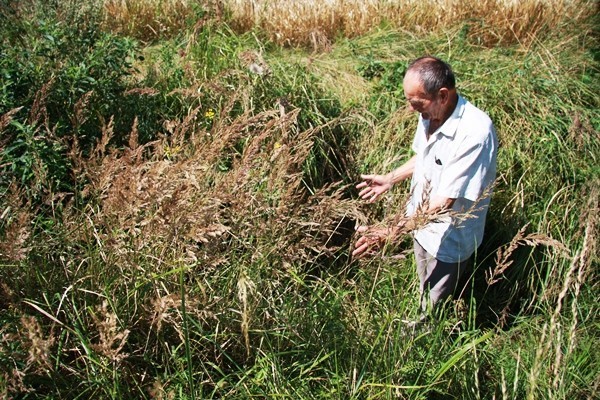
x=209, y=114
x=171, y=152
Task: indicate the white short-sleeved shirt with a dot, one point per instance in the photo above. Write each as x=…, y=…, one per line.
x=459, y=162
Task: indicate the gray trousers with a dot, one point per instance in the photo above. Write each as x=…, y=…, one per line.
x=438, y=279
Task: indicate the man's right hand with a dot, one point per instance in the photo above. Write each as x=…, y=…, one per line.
x=373, y=186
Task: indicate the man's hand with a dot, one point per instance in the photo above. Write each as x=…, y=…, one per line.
x=373, y=186
x=372, y=239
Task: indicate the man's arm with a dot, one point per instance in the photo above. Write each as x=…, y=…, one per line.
x=439, y=204
x=403, y=172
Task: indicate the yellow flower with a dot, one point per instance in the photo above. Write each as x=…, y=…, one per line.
x=171, y=151
x=209, y=114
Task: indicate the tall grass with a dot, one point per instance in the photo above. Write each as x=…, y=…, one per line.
x=199, y=248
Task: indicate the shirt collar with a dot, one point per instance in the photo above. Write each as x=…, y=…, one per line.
x=451, y=124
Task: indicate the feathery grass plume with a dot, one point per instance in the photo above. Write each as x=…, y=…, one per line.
x=13, y=383
x=149, y=198
x=38, y=345
x=246, y=289
x=165, y=311
x=29, y=350
x=7, y=296
x=159, y=392
x=193, y=208
x=5, y=121
x=15, y=224
x=588, y=254
x=400, y=225
x=81, y=111
x=581, y=131
x=38, y=111
x=574, y=279
x=111, y=338
x=503, y=255
x=255, y=62
x=558, y=340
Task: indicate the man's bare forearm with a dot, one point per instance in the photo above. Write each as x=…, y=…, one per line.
x=440, y=204
x=403, y=172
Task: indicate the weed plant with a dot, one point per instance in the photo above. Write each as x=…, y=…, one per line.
x=177, y=203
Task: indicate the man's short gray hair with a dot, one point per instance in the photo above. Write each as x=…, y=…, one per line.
x=434, y=74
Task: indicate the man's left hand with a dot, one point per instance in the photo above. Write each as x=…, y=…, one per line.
x=372, y=239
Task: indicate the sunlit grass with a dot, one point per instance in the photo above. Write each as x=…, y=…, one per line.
x=319, y=23
x=149, y=20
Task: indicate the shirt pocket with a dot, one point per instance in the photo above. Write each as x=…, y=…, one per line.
x=436, y=165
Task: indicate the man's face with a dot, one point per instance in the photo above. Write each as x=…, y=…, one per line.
x=430, y=107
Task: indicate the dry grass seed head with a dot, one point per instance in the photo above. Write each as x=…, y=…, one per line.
x=503, y=254
x=147, y=200
x=255, y=62
x=7, y=296
x=38, y=345
x=80, y=114
x=246, y=288
x=38, y=110
x=158, y=391
x=15, y=384
x=162, y=308
x=6, y=118
x=16, y=219
x=166, y=310
x=111, y=339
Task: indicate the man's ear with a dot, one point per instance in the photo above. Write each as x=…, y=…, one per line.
x=444, y=95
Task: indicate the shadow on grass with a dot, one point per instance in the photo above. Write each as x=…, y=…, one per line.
x=498, y=304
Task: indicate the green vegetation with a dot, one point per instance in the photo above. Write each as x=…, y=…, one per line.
x=177, y=204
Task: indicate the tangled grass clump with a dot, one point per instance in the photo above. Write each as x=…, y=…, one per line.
x=228, y=201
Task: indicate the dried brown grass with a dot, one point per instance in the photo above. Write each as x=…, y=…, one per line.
x=195, y=199
x=205, y=201
x=16, y=222
x=504, y=254
x=111, y=339
x=199, y=199
x=35, y=356
x=149, y=20
x=318, y=23
x=172, y=190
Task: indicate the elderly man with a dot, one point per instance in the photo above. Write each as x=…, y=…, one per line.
x=452, y=172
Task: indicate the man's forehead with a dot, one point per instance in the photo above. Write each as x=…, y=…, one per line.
x=413, y=86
